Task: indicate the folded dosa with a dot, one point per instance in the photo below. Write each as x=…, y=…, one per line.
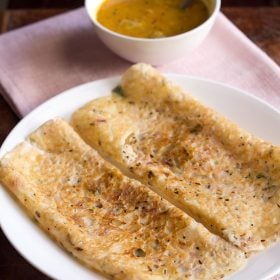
x=111, y=223
x=203, y=163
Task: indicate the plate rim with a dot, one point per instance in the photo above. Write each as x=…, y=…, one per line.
x=270, y=273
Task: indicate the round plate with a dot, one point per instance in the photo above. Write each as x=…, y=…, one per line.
x=33, y=244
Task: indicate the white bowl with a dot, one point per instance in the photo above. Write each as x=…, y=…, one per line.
x=153, y=51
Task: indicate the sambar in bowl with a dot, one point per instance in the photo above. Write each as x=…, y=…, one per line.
x=152, y=31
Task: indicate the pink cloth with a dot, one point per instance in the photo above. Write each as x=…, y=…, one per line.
x=43, y=59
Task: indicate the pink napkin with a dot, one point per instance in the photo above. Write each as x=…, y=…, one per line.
x=43, y=59
x=46, y=58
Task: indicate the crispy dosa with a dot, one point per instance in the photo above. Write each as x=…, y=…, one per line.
x=197, y=159
x=111, y=223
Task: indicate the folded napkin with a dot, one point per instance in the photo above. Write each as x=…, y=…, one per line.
x=46, y=58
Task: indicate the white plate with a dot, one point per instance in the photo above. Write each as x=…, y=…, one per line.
x=249, y=112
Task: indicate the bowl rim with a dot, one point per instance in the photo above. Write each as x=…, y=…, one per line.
x=211, y=18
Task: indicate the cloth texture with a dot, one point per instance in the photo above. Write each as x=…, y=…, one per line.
x=46, y=58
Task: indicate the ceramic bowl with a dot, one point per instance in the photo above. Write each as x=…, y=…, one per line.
x=153, y=51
